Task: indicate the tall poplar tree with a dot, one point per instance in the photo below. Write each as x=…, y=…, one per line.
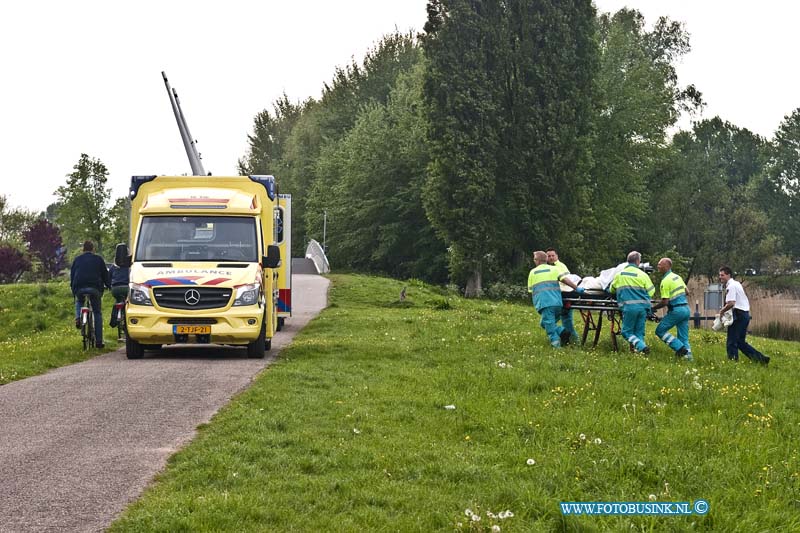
x=460, y=194
x=508, y=96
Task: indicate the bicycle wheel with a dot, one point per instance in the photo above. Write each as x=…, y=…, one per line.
x=90, y=325
x=86, y=332
x=122, y=332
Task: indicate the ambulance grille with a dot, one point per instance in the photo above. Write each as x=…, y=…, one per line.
x=179, y=297
x=191, y=321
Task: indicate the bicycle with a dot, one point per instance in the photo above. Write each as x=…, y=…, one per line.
x=119, y=313
x=120, y=293
x=87, y=320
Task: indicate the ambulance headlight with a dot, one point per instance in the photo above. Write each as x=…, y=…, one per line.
x=140, y=294
x=247, y=294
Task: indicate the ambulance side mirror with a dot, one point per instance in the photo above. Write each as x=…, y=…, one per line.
x=273, y=257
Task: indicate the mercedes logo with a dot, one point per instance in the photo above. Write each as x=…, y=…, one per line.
x=191, y=297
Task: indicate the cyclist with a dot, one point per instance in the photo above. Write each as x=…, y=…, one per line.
x=89, y=275
x=120, y=277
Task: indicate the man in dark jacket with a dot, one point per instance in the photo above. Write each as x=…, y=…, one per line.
x=89, y=275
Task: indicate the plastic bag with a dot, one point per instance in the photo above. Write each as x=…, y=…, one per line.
x=727, y=318
x=722, y=322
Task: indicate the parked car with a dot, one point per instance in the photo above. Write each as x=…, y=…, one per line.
x=750, y=272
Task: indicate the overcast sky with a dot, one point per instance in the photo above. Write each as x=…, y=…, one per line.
x=84, y=76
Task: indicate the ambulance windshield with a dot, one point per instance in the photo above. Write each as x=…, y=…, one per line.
x=197, y=238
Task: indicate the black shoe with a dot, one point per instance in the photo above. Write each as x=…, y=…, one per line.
x=765, y=361
x=77, y=323
x=682, y=352
x=100, y=346
x=646, y=350
x=566, y=337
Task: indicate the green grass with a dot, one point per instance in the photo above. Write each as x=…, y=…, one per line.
x=37, y=330
x=348, y=430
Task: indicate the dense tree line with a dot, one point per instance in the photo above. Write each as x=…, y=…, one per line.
x=503, y=127
x=510, y=126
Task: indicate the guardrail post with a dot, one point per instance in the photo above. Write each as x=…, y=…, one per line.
x=696, y=314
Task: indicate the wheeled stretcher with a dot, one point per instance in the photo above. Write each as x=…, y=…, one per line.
x=602, y=303
x=593, y=305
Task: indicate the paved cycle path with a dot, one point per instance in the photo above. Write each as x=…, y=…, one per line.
x=79, y=443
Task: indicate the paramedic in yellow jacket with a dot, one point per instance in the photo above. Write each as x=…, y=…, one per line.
x=633, y=290
x=566, y=312
x=673, y=297
x=546, y=296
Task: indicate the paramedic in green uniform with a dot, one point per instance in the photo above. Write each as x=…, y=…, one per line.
x=546, y=296
x=673, y=297
x=633, y=290
x=566, y=312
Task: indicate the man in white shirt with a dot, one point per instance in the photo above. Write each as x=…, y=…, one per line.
x=736, y=299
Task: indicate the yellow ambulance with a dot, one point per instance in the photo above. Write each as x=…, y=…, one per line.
x=283, y=238
x=206, y=265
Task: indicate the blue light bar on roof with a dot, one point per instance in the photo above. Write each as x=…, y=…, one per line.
x=268, y=182
x=138, y=181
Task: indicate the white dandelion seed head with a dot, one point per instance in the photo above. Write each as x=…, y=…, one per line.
x=531, y=462
x=450, y=407
x=505, y=514
x=652, y=497
x=598, y=441
x=582, y=436
x=495, y=529
x=356, y=431
x=468, y=512
x=475, y=518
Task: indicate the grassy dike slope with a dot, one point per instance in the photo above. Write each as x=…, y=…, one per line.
x=37, y=330
x=348, y=430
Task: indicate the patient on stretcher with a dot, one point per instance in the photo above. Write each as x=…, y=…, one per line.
x=596, y=287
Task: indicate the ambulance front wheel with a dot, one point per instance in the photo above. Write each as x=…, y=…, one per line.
x=133, y=349
x=257, y=348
